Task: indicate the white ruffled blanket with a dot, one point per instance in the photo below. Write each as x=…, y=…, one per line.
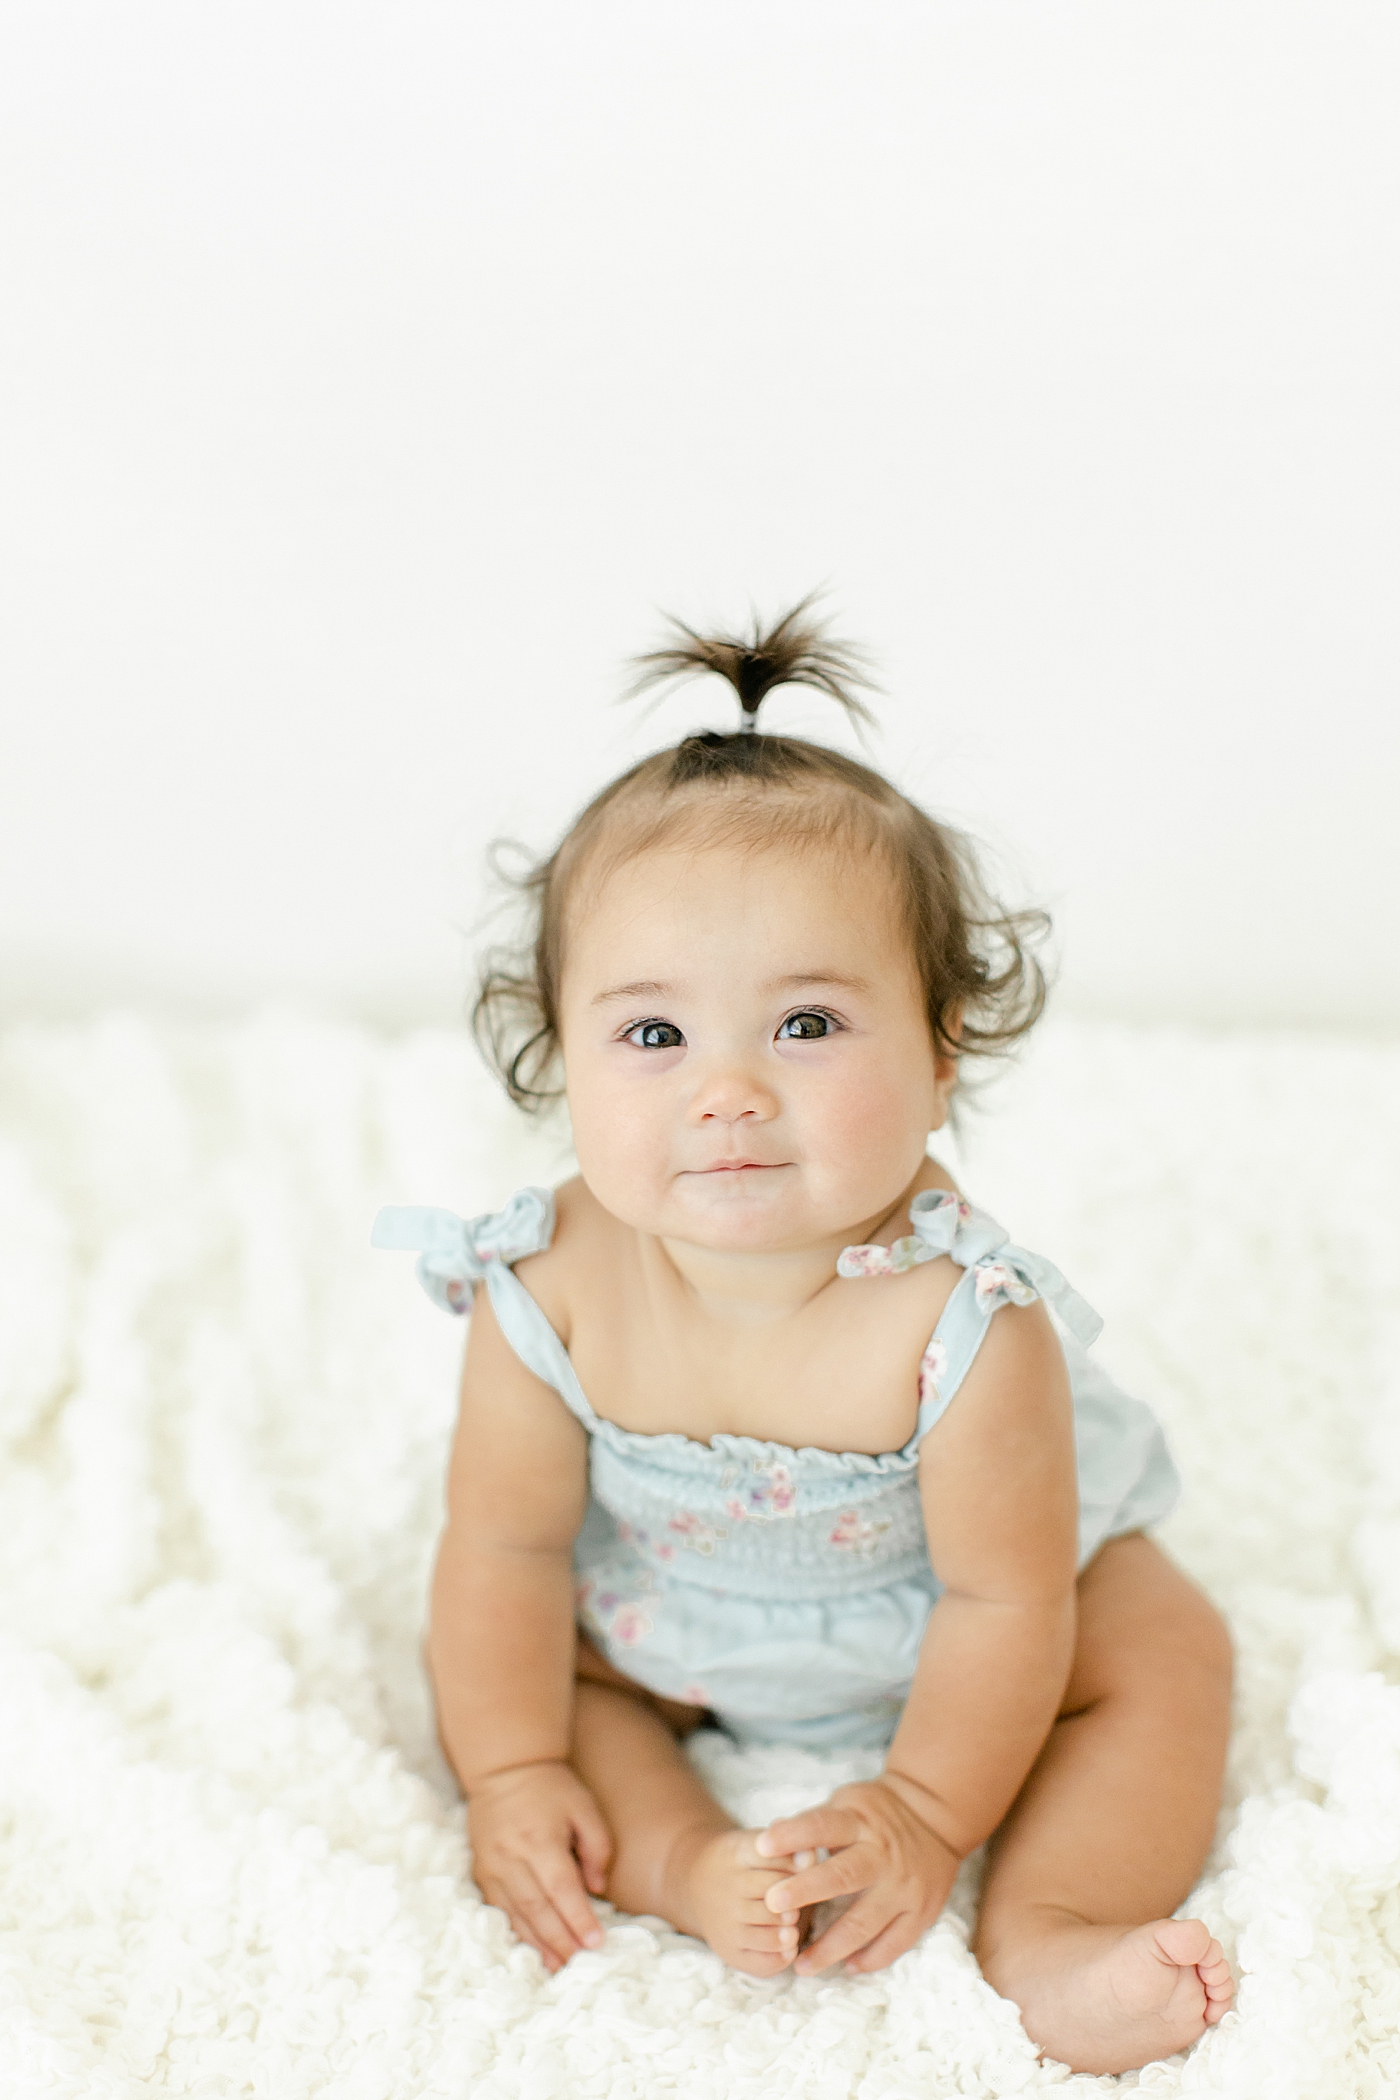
x=230, y=1858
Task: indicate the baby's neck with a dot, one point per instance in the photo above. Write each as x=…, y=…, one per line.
x=743, y=1289
x=749, y=1290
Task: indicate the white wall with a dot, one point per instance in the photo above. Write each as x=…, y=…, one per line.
x=370, y=372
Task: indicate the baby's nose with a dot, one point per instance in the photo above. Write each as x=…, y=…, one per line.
x=735, y=1097
x=725, y=1112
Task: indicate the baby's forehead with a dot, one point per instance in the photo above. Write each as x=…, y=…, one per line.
x=779, y=915
x=820, y=835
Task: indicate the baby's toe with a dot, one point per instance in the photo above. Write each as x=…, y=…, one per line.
x=1215, y=1972
x=771, y=1946
x=1219, y=1988
x=729, y=1883
x=758, y=1964
x=747, y=1854
x=1183, y=1941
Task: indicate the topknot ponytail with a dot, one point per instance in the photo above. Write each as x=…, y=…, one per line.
x=794, y=651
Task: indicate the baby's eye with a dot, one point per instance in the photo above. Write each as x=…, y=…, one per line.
x=806, y=1027
x=655, y=1035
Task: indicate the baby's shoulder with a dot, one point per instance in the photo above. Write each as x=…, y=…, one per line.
x=587, y=1241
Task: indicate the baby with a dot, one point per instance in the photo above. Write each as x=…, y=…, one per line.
x=764, y=1425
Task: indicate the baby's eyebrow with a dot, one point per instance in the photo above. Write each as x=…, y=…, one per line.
x=800, y=978
x=645, y=988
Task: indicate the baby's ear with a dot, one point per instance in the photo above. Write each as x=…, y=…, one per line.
x=945, y=1061
x=945, y=1068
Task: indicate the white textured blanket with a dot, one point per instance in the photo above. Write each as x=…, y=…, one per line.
x=230, y=1859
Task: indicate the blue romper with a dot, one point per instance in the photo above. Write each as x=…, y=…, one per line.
x=788, y=1590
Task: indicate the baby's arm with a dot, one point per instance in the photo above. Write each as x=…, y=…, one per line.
x=1000, y=1506
x=501, y=1647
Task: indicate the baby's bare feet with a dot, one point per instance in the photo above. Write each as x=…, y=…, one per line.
x=1111, y=1998
x=720, y=1886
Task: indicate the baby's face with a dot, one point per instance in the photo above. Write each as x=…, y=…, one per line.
x=748, y=1061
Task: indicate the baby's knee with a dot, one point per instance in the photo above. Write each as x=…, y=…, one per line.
x=1209, y=1642
x=1188, y=1636
x=1144, y=1625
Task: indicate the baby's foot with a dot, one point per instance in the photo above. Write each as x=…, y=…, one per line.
x=1111, y=1998
x=721, y=1886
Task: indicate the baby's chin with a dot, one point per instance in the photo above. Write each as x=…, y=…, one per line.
x=767, y=1210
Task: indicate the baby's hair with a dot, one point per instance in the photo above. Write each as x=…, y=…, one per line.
x=983, y=984
x=795, y=651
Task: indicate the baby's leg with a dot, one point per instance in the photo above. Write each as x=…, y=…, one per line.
x=677, y=1855
x=1111, y=1828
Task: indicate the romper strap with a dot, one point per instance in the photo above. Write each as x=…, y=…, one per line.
x=456, y=1254
x=523, y=1323
x=998, y=1273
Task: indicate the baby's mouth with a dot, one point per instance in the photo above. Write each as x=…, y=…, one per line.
x=741, y=1166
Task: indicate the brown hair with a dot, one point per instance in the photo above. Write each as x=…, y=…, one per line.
x=983, y=984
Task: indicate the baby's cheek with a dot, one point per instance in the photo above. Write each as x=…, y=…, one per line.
x=622, y=1151
x=871, y=1132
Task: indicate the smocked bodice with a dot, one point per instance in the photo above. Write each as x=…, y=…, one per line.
x=740, y=1513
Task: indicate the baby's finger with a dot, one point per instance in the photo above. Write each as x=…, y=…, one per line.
x=844, y=1874
x=500, y=1898
x=560, y=1881
x=805, y=1833
x=593, y=1841
x=856, y=1928
x=547, y=1928
x=887, y=1946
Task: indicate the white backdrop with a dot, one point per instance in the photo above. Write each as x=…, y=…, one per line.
x=370, y=373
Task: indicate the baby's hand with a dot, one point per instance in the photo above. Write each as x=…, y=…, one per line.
x=539, y=1848
x=878, y=1846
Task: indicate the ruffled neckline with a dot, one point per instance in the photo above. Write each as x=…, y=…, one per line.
x=727, y=1444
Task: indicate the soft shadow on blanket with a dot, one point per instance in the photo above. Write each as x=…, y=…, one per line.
x=231, y=1861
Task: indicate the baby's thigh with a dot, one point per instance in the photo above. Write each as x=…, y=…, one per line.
x=1145, y=1628
x=593, y=1667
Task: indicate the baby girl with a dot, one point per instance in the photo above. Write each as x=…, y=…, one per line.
x=764, y=1425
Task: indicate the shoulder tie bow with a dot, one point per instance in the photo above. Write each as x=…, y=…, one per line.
x=454, y=1253
x=945, y=1223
